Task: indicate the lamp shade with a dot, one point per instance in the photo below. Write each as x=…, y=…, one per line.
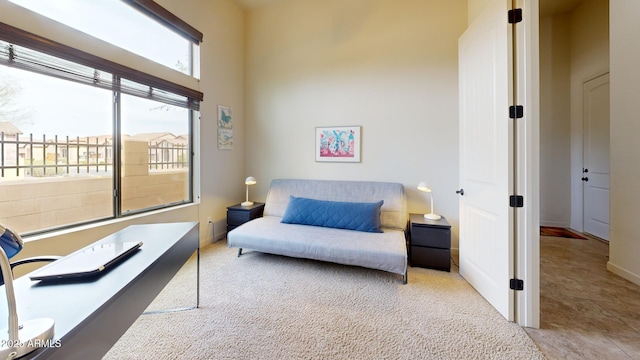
x=422, y=186
x=250, y=180
x=10, y=242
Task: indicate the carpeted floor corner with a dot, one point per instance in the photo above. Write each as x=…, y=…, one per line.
x=262, y=306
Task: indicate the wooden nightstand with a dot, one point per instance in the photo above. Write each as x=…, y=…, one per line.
x=430, y=243
x=238, y=214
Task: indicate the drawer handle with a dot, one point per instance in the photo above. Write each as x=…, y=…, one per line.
x=461, y=192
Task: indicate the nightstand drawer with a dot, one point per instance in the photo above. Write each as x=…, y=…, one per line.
x=238, y=217
x=431, y=236
x=238, y=214
x=431, y=258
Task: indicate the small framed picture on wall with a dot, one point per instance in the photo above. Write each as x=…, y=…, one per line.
x=225, y=128
x=225, y=117
x=338, y=144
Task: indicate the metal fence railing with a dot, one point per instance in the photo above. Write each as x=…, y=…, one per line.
x=41, y=157
x=167, y=155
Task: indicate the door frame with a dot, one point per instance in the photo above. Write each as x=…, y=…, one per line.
x=527, y=246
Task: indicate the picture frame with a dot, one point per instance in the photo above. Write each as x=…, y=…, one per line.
x=225, y=117
x=225, y=128
x=225, y=139
x=338, y=144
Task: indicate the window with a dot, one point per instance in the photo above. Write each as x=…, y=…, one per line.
x=155, y=143
x=122, y=25
x=84, y=139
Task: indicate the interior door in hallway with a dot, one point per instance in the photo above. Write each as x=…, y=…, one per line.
x=595, y=176
x=485, y=228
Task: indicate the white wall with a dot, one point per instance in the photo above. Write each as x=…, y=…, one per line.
x=589, y=58
x=475, y=7
x=222, y=72
x=574, y=47
x=221, y=173
x=625, y=131
x=388, y=66
x=555, y=124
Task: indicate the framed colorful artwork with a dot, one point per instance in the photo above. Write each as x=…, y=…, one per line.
x=338, y=143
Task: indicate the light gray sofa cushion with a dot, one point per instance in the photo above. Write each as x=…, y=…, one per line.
x=382, y=251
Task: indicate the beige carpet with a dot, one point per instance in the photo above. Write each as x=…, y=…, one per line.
x=263, y=306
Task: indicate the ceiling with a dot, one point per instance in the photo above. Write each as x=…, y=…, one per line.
x=253, y=4
x=547, y=7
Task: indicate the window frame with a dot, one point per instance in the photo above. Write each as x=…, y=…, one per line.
x=163, y=16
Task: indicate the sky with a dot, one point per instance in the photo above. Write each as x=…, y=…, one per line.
x=117, y=23
x=45, y=103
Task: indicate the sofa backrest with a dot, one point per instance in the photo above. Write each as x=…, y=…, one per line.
x=393, y=213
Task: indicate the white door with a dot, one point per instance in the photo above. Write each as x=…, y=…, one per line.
x=595, y=177
x=485, y=228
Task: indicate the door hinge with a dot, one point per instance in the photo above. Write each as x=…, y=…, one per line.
x=516, y=112
x=515, y=16
x=516, y=201
x=516, y=284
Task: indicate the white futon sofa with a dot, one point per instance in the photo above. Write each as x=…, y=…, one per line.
x=376, y=243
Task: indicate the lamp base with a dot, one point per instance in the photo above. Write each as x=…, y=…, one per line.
x=246, y=203
x=33, y=334
x=432, y=216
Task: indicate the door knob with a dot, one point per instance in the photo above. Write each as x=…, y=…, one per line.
x=585, y=170
x=461, y=192
x=585, y=179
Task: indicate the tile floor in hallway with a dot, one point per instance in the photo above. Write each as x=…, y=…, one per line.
x=586, y=312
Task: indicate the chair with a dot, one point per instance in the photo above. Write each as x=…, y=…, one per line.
x=29, y=260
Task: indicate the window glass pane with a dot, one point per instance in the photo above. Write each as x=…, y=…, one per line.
x=56, y=146
x=121, y=25
x=155, y=154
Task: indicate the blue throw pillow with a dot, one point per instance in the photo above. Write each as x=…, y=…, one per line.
x=334, y=214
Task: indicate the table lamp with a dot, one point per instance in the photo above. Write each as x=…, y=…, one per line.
x=249, y=181
x=422, y=186
x=29, y=335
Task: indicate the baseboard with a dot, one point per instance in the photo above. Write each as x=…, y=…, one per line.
x=626, y=274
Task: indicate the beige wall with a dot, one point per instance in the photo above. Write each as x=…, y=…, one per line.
x=598, y=44
x=220, y=179
x=475, y=7
x=555, y=124
x=222, y=55
x=388, y=67
x=589, y=58
x=574, y=47
x=625, y=131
